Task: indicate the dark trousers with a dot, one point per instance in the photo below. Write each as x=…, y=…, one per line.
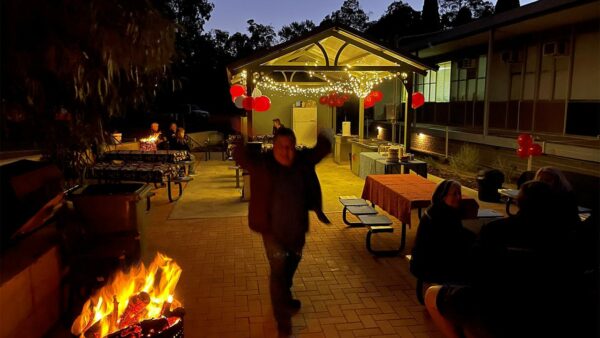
x=283, y=264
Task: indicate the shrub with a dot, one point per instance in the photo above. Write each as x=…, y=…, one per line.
x=509, y=170
x=431, y=162
x=467, y=158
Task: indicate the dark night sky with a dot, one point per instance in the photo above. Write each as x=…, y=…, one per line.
x=231, y=15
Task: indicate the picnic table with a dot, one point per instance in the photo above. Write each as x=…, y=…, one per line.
x=399, y=194
x=157, y=173
x=164, y=156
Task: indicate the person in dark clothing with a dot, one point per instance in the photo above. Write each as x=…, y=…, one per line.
x=284, y=187
x=172, y=135
x=184, y=142
x=442, y=245
x=277, y=125
x=520, y=281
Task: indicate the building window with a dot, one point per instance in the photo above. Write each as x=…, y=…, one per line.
x=435, y=86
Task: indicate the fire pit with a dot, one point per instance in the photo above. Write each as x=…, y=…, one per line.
x=134, y=304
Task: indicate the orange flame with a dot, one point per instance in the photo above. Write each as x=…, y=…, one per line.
x=150, y=139
x=158, y=281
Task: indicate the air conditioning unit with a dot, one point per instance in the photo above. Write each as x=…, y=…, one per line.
x=511, y=56
x=467, y=63
x=555, y=48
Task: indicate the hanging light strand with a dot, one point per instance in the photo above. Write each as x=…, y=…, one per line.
x=360, y=85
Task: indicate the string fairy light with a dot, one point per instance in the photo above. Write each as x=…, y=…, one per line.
x=359, y=85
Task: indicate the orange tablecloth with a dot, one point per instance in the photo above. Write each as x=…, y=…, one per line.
x=399, y=194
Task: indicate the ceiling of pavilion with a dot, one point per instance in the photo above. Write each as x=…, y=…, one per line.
x=326, y=55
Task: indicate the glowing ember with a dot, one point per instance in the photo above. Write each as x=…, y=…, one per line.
x=130, y=298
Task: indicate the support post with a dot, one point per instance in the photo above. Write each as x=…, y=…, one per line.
x=486, y=99
x=361, y=118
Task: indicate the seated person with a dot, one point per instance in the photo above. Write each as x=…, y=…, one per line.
x=184, y=142
x=172, y=134
x=520, y=281
x=562, y=189
x=442, y=245
x=156, y=134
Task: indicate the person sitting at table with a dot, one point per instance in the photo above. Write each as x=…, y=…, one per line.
x=156, y=134
x=519, y=282
x=563, y=190
x=442, y=245
x=172, y=135
x=184, y=142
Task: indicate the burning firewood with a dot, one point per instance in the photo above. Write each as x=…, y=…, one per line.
x=135, y=309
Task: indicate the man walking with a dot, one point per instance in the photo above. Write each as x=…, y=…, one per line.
x=284, y=187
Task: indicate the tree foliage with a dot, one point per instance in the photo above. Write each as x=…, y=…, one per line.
x=350, y=14
x=430, y=17
x=474, y=9
x=505, y=5
x=399, y=20
x=295, y=29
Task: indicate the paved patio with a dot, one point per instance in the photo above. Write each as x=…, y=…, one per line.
x=345, y=291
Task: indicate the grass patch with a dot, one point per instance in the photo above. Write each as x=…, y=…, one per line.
x=466, y=159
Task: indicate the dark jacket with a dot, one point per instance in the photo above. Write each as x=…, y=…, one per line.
x=260, y=167
x=442, y=247
x=181, y=144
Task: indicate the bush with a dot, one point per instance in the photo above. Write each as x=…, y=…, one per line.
x=509, y=170
x=466, y=159
x=431, y=162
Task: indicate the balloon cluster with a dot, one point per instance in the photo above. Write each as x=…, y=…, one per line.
x=417, y=100
x=334, y=99
x=527, y=147
x=373, y=97
x=238, y=95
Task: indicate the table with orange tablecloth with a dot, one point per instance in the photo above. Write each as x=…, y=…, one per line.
x=399, y=194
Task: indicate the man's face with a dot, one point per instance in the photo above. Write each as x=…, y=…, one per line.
x=173, y=127
x=276, y=124
x=284, y=150
x=154, y=127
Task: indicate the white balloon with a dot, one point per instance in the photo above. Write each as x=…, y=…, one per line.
x=256, y=92
x=239, y=101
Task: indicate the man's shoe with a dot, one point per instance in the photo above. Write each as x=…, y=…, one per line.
x=284, y=328
x=295, y=304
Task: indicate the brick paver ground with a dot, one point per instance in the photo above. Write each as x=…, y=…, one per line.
x=345, y=291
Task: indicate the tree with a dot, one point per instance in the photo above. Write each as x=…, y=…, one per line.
x=430, y=17
x=505, y=5
x=350, y=14
x=295, y=29
x=261, y=36
x=399, y=20
x=67, y=66
x=476, y=8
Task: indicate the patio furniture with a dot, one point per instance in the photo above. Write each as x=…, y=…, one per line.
x=372, y=163
x=237, y=169
x=377, y=224
x=162, y=173
x=163, y=156
x=399, y=194
x=356, y=206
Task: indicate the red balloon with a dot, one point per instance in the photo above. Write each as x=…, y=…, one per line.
x=535, y=149
x=345, y=97
x=523, y=152
x=248, y=103
x=331, y=101
x=237, y=90
x=417, y=100
x=262, y=103
x=369, y=101
x=524, y=140
x=377, y=95
x=323, y=100
x=339, y=102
